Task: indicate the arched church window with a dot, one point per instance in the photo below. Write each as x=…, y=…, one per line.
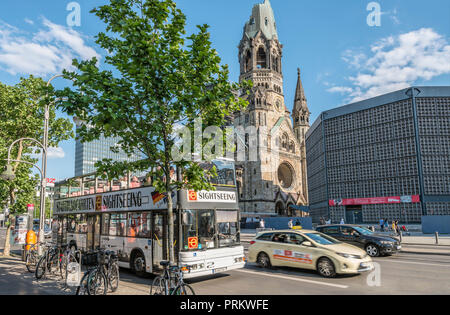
x=261, y=61
x=292, y=147
x=275, y=64
x=248, y=61
x=285, y=141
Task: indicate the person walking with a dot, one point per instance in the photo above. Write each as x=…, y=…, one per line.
x=382, y=224
x=386, y=225
x=342, y=221
x=290, y=224
x=322, y=221
x=262, y=224
x=328, y=222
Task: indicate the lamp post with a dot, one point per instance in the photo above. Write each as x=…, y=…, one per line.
x=44, y=164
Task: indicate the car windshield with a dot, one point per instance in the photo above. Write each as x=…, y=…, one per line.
x=362, y=230
x=322, y=239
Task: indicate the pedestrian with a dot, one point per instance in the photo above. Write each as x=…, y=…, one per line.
x=262, y=224
x=342, y=221
x=386, y=225
x=397, y=227
x=290, y=224
x=328, y=222
x=393, y=227
x=322, y=221
x=382, y=224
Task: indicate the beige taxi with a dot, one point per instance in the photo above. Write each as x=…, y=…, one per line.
x=308, y=249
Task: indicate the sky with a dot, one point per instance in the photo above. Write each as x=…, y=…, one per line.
x=346, y=51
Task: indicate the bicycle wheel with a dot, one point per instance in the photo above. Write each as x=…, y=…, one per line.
x=41, y=268
x=30, y=261
x=54, y=264
x=113, y=277
x=82, y=289
x=97, y=283
x=159, y=286
x=183, y=289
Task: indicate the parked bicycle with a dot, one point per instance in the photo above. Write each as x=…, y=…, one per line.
x=102, y=274
x=171, y=282
x=48, y=263
x=32, y=256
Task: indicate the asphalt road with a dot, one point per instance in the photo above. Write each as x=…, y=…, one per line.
x=405, y=273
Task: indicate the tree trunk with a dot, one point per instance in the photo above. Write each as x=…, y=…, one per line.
x=7, y=248
x=12, y=197
x=171, y=227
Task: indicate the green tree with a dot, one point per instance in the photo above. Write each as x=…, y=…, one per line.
x=160, y=77
x=22, y=116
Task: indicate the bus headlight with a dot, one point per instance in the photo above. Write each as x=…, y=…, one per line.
x=239, y=259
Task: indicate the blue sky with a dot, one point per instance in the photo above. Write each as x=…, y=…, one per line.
x=342, y=58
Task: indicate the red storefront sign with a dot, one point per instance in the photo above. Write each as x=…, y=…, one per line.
x=374, y=201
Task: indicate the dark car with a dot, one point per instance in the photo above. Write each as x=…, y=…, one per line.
x=374, y=244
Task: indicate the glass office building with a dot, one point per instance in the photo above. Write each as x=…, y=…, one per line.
x=386, y=157
x=88, y=153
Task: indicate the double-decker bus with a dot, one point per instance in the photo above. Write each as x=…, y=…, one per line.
x=130, y=217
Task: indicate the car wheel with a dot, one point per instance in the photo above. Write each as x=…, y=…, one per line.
x=372, y=250
x=263, y=261
x=326, y=268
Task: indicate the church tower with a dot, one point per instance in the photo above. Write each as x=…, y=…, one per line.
x=273, y=184
x=301, y=124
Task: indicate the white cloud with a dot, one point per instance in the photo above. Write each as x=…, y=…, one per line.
x=52, y=153
x=55, y=153
x=48, y=51
x=396, y=63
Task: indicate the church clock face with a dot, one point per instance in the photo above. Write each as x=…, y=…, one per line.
x=278, y=104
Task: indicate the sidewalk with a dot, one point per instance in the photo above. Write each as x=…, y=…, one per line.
x=16, y=280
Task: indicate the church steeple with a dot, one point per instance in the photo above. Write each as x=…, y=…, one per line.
x=262, y=19
x=301, y=111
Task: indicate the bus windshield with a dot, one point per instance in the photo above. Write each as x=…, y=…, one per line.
x=204, y=229
x=225, y=172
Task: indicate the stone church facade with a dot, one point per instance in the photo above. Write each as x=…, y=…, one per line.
x=275, y=181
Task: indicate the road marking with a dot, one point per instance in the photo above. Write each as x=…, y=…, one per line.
x=293, y=279
x=414, y=263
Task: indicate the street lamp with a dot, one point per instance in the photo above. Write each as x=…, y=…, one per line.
x=8, y=174
x=44, y=165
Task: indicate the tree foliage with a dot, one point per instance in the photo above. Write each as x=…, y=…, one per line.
x=22, y=116
x=159, y=77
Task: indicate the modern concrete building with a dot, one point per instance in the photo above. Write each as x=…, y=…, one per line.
x=385, y=157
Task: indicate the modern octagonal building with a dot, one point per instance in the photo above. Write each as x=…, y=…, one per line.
x=385, y=157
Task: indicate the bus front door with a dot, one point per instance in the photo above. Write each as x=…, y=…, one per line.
x=158, y=240
x=93, y=232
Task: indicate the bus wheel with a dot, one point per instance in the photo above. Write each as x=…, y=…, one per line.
x=138, y=264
